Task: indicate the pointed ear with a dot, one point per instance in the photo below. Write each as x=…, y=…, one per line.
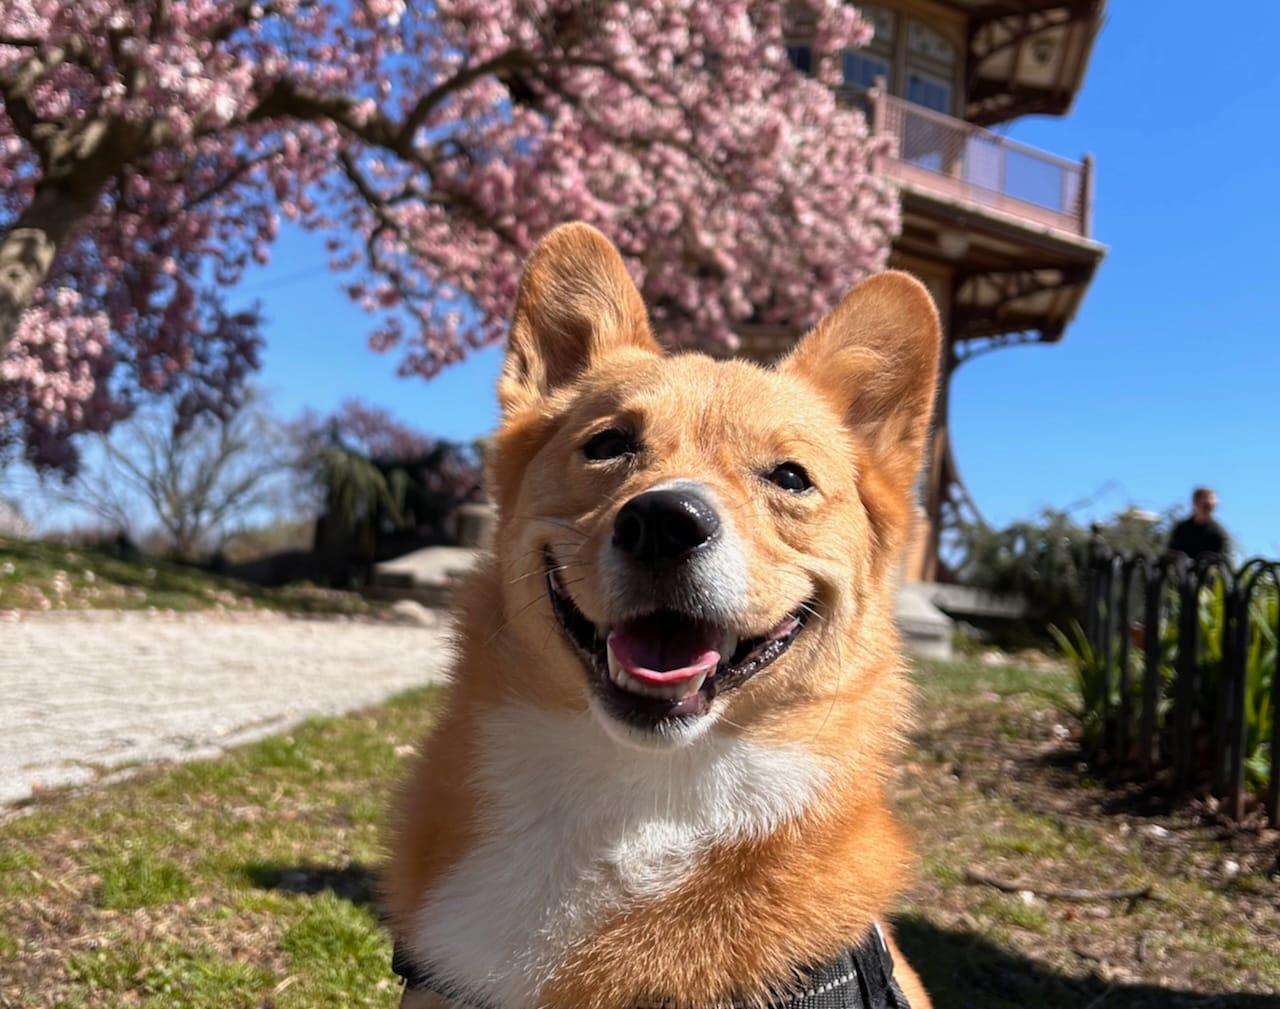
x=575, y=305
x=874, y=357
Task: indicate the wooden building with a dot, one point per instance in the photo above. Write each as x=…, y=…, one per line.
x=999, y=231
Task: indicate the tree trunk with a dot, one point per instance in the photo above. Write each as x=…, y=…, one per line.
x=28, y=248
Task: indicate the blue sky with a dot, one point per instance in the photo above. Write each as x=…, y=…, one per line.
x=1168, y=376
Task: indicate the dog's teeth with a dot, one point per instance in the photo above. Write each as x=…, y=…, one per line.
x=728, y=645
x=616, y=672
x=666, y=692
x=690, y=686
x=669, y=692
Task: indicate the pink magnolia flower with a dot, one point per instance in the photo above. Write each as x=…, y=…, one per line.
x=431, y=145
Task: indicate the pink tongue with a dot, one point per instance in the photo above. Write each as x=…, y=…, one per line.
x=664, y=649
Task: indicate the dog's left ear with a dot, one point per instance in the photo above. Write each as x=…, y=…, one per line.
x=575, y=305
x=875, y=358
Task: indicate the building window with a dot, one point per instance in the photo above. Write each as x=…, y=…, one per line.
x=931, y=69
x=882, y=21
x=929, y=45
x=861, y=68
x=919, y=62
x=800, y=57
x=928, y=91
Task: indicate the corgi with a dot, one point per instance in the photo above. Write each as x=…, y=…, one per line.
x=659, y=775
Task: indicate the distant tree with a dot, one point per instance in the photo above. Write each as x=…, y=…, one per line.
x=371, y=431
x=68, y=374
x=194, y=483
x=149, y=150
x=372, y=475
x=1043, y=559
x=365, y=462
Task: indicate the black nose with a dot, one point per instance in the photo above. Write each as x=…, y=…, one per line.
x=661, y=526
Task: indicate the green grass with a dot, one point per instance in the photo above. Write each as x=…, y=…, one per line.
x=967, y=680
x=158, y=975
x=241, y=881
x=336, y=946
x=247, y=880
x=47, y=576
x=991, y=787
x=1013, y=912
x=140, y=881
x=17, y=873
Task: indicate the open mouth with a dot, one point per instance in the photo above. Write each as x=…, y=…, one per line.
x=667, y=665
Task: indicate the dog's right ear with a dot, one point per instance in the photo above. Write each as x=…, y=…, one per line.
x=875, y=358
x=575, y=305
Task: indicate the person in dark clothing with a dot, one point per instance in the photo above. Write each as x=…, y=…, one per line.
x=1199, y=535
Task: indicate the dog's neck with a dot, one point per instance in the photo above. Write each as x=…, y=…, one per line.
x=577, y=828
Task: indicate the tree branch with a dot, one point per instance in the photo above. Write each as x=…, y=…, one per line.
x=16, y=89
x=20, y=110
x=289, y=99
x=1050, y=893
x=159, y=18
x=509, y=60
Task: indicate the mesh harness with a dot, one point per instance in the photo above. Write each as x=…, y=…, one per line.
x=859, y=978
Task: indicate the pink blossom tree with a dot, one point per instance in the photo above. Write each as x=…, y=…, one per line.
x=150, y=148
x=372, y=431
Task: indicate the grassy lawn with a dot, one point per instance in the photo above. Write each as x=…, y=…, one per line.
x=47, y=576
x=994, y=787
x=242, y=881
x=246, y=881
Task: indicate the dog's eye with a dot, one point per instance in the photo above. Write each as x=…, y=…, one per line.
x=790, y=476
x=609, y=444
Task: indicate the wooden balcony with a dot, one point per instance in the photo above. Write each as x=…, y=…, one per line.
x=945, y=158
x=1004, y=228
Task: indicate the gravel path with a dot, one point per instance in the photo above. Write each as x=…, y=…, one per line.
x=83, y=692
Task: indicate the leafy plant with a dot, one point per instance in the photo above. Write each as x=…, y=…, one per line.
x=1099, y=701
x=356, y=490
x=1099, y=694
x=1260, y=673
x=1044, y=559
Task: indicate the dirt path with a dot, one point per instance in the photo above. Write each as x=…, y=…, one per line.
x=81, y=693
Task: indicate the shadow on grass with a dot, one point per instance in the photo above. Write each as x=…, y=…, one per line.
x=962, y=970
x=356, y=883
x=1127, y=792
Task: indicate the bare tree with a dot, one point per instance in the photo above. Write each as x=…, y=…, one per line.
x=196, y=483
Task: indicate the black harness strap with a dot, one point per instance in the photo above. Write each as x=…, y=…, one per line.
x=859, y=978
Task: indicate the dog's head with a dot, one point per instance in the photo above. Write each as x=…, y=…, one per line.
x=681, y=539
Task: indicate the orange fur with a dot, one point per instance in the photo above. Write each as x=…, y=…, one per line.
x=852, y=404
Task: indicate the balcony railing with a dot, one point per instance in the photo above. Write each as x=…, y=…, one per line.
x=950, y=158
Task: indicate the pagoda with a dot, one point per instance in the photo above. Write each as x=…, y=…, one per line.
x=1000, y=232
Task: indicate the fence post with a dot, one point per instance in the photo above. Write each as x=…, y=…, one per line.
x=1272, y=798
x=879, y=124
x=1105, y=637
x=1234, y=672
x=1151, y=673
x=1126, y=645
x=1207, y=711
x=1092, y=565
x=1220, y=740
x=1086, y=196
x=1184, y=692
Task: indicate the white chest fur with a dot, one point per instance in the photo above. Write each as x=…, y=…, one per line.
x=576, y=827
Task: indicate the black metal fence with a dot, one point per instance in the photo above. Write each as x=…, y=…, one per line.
x=1185, y=659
